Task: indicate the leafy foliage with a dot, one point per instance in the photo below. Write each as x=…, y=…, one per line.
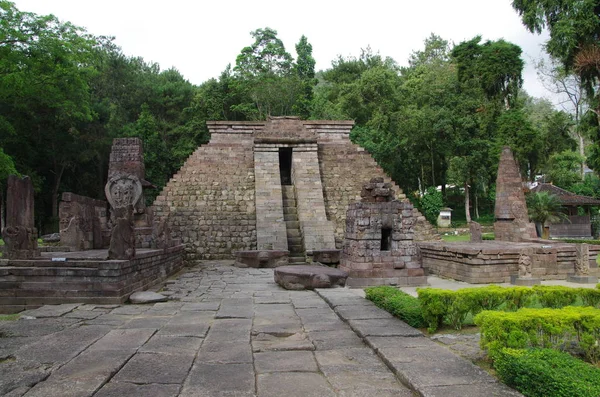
x=543, y=207
x=402, y=305
x=431, y=204
x=547, y=373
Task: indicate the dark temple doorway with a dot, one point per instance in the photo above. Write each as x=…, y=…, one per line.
x=285, y=165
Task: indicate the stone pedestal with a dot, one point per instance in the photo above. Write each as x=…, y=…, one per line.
x=524, y=281
x=309, y=277
x=261, y=259
x=327, y=257
x=476, y=235
x=581, y=279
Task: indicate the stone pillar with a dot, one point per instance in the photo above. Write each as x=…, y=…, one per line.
x=122, y=193
x=476, y=235
x=20, y=235
x=270, y=224
x=512, y=222
x=582, y=266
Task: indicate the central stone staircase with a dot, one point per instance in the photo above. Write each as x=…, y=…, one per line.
x=294, y=233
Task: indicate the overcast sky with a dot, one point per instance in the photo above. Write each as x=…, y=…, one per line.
x=199, y=38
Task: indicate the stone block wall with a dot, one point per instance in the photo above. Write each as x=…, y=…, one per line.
x=26, y=284
x=212, y=198
x=270, y=224
x=495, y=262
x=316, y=228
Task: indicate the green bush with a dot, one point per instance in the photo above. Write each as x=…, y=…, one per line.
x=400, y=304
x=578, y=241
x=547, y=373
x=547, y=328
x=555, y=296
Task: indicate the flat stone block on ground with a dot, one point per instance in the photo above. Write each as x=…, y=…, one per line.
x=287, y=361
x=293, y=384
x=147, y=297
x=120, y=389
x=172, y=345
x=309, y=277
x=525, y=281
x=155, y=368
x=215, y=380
x=573, y=278
x=476, y=390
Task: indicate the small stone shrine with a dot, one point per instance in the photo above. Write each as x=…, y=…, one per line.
x=582, y=266
x=20, y=234
x=512, y=222
x=379, y=245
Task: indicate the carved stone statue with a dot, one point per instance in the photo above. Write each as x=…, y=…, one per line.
x=123, y=190
x=582, y=260
x=20, y=234
x=122, y=239
x=161, y=234
x=525, y=264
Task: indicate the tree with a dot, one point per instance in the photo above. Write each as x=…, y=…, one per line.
x=7, y=167
x=574, y=28
x=563, y=168
x=305, y=70
x=542, y=208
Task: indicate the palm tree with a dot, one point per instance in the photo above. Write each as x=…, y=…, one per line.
x=544, y=207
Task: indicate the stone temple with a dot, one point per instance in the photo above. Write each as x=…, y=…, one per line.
x=283, y=184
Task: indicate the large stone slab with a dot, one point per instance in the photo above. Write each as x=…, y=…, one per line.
x=309, y=277
x=147, y=297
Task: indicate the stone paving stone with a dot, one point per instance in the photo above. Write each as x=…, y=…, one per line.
x=378, y=391
x=362, y=312
x=35, y=327
x=339, y=297
x=383, y=327
x=267, y=342
x=433, y=366
x=293, y=384
x=123, y=339
x=338, y=339
x=161, y=368
x=477, y=390
x=200, y=306
x=130, y=309
x=62, y=346
x=187, y=330
x=83, y=375
x=83, y=314
x=271, y=299
x=225, y=352
x=290, y=361
x=114, y=320
x=51, y=310
x=20, y=375
x=354, y=359
x=146, y=322
x=397, y=342
x=230, y=329
x=121, y=389
x=172, y=345
x=216, y=380
x=235, y=308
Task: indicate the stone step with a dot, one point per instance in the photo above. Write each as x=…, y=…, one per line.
x=295, y=248
x=296, y=260
x=289, y=203
x=290, y=210
x=291, y=218
x=293, y=233
x=294, y=241
x=292, y=224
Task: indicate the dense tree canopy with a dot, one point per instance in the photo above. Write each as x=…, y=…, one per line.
x=441, y=120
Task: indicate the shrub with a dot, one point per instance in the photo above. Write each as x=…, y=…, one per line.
x=400, y=304
x=547, y=373
x=556, y=328
x=555, y=296
x=434, y=306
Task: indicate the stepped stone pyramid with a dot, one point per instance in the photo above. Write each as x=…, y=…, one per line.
x=264, y=185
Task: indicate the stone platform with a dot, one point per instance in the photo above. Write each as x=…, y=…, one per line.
x=82, y=277
x=309, y=277
x=496, y=261
x=231, y=332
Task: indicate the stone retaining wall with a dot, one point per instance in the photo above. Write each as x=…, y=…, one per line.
x=26, y=284
x=495, y=262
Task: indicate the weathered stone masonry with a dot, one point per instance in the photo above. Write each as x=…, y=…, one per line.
x=227, y=196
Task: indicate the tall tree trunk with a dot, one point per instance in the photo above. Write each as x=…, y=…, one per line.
x=1, y=209
x=432, y=170
x=467, y=211
x=476, y=205
x=57, y=178
x=582, y=154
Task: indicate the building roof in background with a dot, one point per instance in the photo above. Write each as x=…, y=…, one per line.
x=565, y=197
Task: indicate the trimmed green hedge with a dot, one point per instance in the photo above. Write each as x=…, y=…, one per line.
x=400, y=304
x=548, y=328
x=547, y=373
x=453, y=307
x=578, y=241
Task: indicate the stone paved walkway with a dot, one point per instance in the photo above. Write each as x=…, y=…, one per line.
x=230, y=332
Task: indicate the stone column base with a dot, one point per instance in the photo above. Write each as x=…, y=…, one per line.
x=524, y=281
x=574, y=278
